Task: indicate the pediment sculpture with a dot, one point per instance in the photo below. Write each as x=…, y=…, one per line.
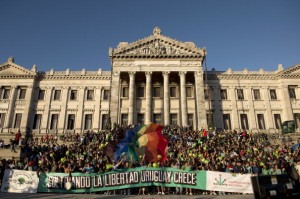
x=157, y=48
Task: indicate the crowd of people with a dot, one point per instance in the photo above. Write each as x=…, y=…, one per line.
x=225, y=151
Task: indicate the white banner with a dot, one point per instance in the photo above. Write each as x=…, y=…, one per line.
x=228, y=182
x=19, y=181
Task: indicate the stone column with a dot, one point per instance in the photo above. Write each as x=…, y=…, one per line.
x=269, y=117
x=183, y=101
x=46, y=117
x=148, y=97
x=26, y=119
x=79, y=125
x=166, y=98
x=251, y=117
x=234, y=116
x=10, y=112
x=98, y=99
x=217, y=116
x=62, y=118
x=114, y=97
x=200, y=101
x=287, y=112
x=131, y=98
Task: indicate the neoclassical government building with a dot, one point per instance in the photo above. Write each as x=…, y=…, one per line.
x=154, y=79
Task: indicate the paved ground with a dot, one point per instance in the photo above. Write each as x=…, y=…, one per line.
x=95, y=196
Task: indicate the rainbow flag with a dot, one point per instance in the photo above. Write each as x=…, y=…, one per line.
x=143, y=140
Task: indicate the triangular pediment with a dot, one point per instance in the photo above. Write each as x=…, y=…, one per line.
x=157, y=45
x=291, y=71
x=12, y=69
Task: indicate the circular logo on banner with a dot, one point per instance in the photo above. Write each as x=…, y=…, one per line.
x=22, y=181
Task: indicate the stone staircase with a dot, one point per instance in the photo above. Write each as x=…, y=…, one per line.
x=8, y=154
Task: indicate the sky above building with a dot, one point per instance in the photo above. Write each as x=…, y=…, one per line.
x=75, y=34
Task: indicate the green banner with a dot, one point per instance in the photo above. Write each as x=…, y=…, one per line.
x=121, y=179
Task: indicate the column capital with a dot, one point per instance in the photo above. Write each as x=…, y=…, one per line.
x=148, y=73
x=116, y=73
x=182, y=73
x=131, y=73
x=198, y=74
x=49, y=87
x=166, y=73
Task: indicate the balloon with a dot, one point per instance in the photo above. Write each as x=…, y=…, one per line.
x=155, y=165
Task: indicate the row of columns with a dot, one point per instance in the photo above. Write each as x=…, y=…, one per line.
x=166, y=97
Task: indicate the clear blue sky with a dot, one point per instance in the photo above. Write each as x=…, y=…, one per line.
x=75, y=34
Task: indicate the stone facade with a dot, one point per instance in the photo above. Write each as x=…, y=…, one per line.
x=155, y=79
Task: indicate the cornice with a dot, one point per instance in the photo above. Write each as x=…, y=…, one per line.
x=240, y=77
x=289, y=76
x=18, y=76
x=50, y=77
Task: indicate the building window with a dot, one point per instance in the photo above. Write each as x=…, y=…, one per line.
x=273, y=94
x=125, y=92
x=240, y=94
x=2, y=119
x=141, y=91
x=140, y=118
x=90, y=95
x=156, y=91
x=297, y=120
x=41, y=95
x=223, y=93
x=71, y=122
x=256, y=94
x=5, y=93
x=277, y=119
x=261, y=121
x=173, y=117
x=173, y=91
x=73, y=95
x=18, y=118
x=292, y=92
x=226, y=121
x=189, y=91
x=37, y=121
x=105, y=121
x=56, y=94
x=209, y=119
x=244, y=121
x=206, y=94
x=54, y=121
x=105, y=95
x=22, y=93
x=191, y=120
x=88, y=121
x=124, y=119
x=157, y=118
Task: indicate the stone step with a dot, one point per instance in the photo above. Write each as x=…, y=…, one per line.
x=8, y=154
